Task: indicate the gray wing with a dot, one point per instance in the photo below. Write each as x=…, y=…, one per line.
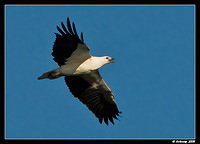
x=92, y=91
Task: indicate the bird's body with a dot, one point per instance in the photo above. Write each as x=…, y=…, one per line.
x=81, y=73
x=93, y=63
x=89, y=65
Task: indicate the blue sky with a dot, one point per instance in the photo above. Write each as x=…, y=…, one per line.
x=152, y=78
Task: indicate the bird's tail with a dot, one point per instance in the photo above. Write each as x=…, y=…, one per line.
x=51, y=75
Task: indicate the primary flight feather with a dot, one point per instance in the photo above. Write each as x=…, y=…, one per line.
x=80, y=70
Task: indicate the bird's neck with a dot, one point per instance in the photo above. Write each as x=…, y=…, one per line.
x=96, y=62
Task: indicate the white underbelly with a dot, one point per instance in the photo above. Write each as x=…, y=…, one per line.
x=86, y=67
x=82, y=69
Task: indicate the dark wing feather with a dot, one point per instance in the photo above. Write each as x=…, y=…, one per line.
x=65, y=44
x=82, y=37
x=69, y=27
x=64, y=28
x=93, y=98
x=74, y=28
x=60, y=31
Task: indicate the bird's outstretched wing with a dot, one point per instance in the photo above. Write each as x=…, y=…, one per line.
x=92, y=91
x=89, y=88
x=68, y=47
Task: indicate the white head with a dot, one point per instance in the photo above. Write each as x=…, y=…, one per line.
x=108, y=59
x=97, y=62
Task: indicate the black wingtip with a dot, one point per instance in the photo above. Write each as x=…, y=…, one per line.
x=68, y=21
x=74, y=28
x=64, y=28
x=69, y=26
x=57, y=34
x=100, y=120
x=106, y=120
x=82, y=37
x=60, y=31
x=115, y=117
x=111, y=120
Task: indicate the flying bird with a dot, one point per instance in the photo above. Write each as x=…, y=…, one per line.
x=80, y=70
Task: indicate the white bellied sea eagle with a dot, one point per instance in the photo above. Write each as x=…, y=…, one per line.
x=80, y=70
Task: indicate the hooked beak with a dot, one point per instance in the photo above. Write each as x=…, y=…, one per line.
x=112, y=60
